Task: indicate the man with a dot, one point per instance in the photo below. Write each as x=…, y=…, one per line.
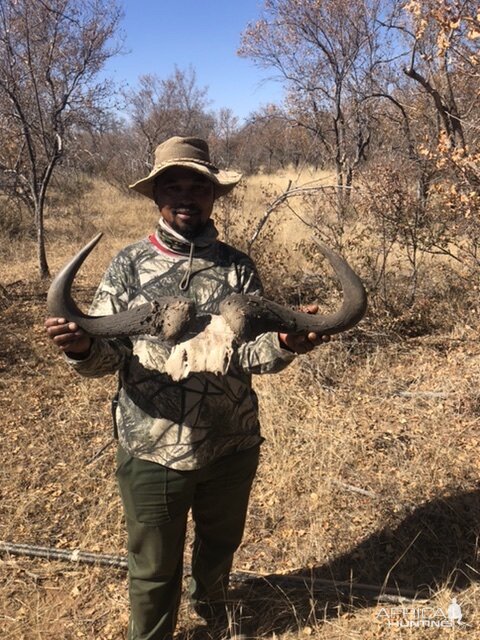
x=191, y=444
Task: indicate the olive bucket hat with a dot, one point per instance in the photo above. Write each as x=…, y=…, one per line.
x=191, y=153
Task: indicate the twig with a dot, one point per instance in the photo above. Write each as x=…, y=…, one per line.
x=381, y=594
x=119, y=562
x=266, y=215
x=4, y=291
x=97, y=455
x=349, y=487
x=400, y=599
x=288, y=193
x=51, y=553
x=424, y=394
x=399, y=559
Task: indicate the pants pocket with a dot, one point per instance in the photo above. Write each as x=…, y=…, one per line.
x=151, y=493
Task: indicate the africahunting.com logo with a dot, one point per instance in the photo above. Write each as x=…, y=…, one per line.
x=422, y=616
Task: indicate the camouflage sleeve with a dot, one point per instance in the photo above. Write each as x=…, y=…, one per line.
x=107, y=355
x=264, y=354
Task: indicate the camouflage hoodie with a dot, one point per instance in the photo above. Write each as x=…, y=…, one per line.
x=187, y=424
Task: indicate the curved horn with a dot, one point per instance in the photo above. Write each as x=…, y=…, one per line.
x=248, y=315
x=166, y=318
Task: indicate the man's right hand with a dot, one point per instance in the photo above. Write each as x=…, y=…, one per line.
x=68, y=336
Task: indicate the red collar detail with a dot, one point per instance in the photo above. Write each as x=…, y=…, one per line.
x=154, y=240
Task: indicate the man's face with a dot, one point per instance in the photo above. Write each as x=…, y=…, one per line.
x=184, y=199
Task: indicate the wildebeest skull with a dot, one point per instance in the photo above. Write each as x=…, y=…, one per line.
x=242, y=316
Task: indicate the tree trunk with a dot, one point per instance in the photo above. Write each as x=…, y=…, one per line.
x=348, y=184
x=43, y=269
x=423, y=188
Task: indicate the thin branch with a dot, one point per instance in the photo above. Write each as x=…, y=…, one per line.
x=297, y=191
x=309, y=582
x=353, y=489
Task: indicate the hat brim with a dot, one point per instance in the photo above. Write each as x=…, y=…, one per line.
x=224, y=181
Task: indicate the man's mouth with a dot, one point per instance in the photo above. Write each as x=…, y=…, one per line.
x=186, y=213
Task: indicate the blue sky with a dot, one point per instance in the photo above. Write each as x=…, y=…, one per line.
x=206, y=34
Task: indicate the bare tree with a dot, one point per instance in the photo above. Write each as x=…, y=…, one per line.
x=50, y=54
x=324, y=51
x=270, y=141
x=441, y=104
x=224, y=138
x=442, y=38
x=163, y=107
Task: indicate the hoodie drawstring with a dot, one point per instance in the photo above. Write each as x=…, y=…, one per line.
x=185, y=283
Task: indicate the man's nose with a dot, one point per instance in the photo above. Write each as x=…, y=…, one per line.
x=185, y=195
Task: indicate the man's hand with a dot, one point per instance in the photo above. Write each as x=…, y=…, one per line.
x=299, y=343
x=68, y=336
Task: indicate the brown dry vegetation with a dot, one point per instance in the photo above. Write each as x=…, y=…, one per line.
x=389, y=411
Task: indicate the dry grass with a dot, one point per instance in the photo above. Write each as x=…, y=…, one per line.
x=358, y=413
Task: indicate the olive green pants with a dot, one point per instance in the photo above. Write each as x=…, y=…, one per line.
x=156, y=501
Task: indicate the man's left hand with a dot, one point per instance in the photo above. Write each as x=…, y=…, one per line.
x=303, y=343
